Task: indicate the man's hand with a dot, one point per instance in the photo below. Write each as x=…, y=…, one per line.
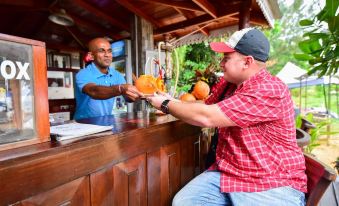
x=130, y=92
x=158, y=98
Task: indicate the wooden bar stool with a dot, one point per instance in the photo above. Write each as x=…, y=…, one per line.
x=319, y=177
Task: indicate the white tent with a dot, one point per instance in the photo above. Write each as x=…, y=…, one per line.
x=290, y=73
x=295, y=77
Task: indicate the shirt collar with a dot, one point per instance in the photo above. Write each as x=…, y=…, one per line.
x=96, y=72
x=258, y=76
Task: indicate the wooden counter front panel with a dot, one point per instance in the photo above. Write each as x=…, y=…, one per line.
x=71, y=194
x=121, y=184
x=139, y=167
x=168, y=169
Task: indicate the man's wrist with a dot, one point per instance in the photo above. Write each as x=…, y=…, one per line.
x=119, y=88
x=164, y=106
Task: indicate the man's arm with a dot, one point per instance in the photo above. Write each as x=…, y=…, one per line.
x=198, y=114
x=105, y=92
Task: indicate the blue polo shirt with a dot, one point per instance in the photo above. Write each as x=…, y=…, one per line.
x=86, y=106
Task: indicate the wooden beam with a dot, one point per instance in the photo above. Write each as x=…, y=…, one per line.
x=205, y=31
x=176, y=4
x=189, y=15
x=244, y=14
x=207, y=7
x=256, y=18
x=203, y=19
x=130, y=6
x=95, y=27
x=17, y=2
x=79, y=38
x=101, y=14
x=63, y=47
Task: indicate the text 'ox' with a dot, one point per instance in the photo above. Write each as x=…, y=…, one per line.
x=9, y=70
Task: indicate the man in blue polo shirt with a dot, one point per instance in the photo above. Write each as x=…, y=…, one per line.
x=97, y=84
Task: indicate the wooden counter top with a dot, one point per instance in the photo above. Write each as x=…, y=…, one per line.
x=31, y=173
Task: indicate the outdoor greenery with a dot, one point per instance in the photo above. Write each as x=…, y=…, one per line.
x=286, y=34
x=320, y=43
x=313, y=97
x=192, y=60
x=284, y=38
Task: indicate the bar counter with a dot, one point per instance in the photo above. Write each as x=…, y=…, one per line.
x=144, y=160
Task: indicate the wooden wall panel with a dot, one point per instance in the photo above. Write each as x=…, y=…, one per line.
x=102, y=187
x=71, y=194
x=190, y=160
x=130, y=182
x=122, y=184
x=170, y=172
x=153, y=178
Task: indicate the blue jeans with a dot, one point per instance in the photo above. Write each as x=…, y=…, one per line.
x=205, y=190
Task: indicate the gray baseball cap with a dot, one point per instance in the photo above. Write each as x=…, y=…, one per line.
x=248, y=41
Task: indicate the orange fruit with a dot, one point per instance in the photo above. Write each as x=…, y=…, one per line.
x=146, y=84
x=160, y=84
x=187, y=97
x=201, y=90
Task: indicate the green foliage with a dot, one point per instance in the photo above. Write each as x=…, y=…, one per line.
x=315, y=132
x=192, y=58
x=285, y=34
x=298, y=121
x=319, y=45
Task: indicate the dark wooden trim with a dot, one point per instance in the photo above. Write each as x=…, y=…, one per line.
x=244, y=14
x=130, y=6
x=101, y=14
x=21, y=40
x=203, y=19
x=176, y=4
x=207, y=7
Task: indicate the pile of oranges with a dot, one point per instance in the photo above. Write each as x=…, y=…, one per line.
x=200, y=91
x=148, y=84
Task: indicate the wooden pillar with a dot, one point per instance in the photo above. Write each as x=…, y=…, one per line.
x=244, y=14
x=141, y=40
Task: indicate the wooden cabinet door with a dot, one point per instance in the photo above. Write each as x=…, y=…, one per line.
x=190, y=159
x=170, y=168
x=163, y=170
x=122, y=184
x=70, y=194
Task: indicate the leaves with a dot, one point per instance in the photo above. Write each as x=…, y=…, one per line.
x=302, y=57
x=331, y=7
x=333, y=24
x=320, y=43
x=306, y=22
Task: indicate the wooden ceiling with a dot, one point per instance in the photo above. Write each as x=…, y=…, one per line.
x=111, y=18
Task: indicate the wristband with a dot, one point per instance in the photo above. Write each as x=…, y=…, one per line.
x=164, y=106
x=119, y=86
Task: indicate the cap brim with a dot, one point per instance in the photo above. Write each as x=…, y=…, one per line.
x=221, y=47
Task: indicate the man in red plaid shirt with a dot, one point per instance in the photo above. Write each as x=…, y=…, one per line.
x=258, y=161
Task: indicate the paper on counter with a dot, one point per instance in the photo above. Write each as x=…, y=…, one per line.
x=72, y=130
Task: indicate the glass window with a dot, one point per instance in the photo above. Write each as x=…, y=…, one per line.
x=17, y=121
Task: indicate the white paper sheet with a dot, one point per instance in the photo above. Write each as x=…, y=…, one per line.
x=72, y=130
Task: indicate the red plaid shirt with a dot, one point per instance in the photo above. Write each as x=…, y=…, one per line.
x=260, y=153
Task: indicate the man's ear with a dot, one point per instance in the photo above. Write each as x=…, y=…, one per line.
x=90, y=55
x=248, y=61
